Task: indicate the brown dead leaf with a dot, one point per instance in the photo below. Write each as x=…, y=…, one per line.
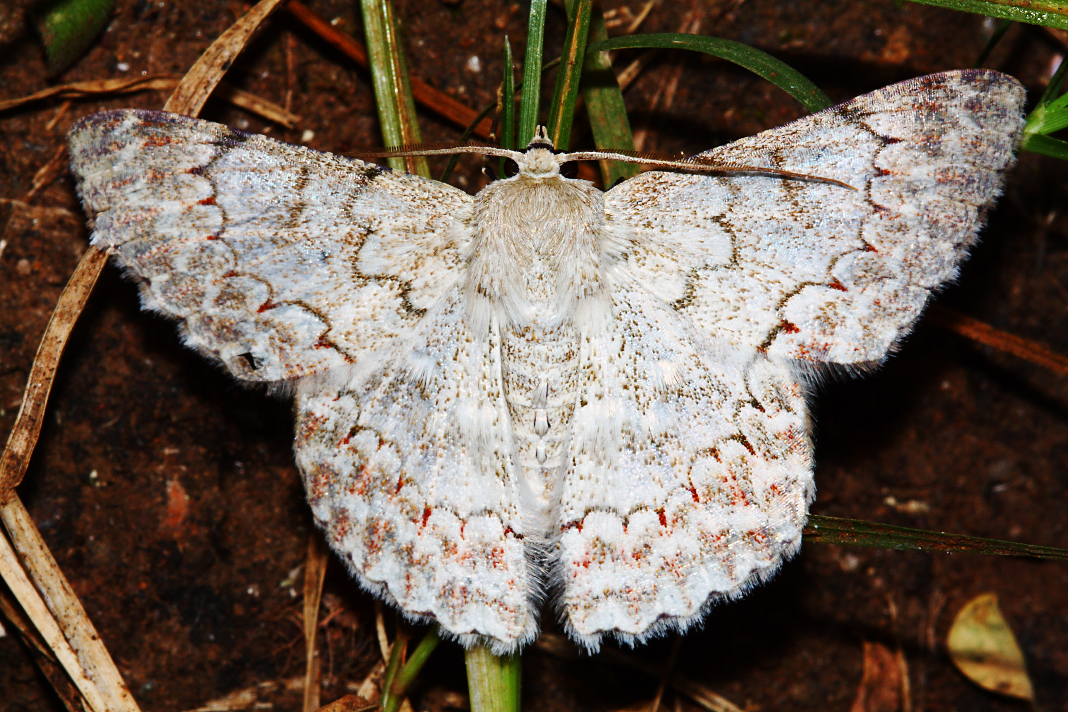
x=982, y=646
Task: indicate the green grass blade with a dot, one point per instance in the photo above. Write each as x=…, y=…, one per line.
x=68, y=27
x=389, y=75
x=1048, y=119
x=604, y=106
x=531, y=102
x=562, y=113
x=1051, y=114
x=832, y=530
x=760, y=63
x=1051, y=13
x=1045, y=145
x=493, y=681
x=404, y=678
x=390, y=702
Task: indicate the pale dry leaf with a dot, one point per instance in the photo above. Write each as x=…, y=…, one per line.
x=982, y=646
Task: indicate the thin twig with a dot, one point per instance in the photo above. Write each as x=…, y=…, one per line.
x=200, y=81
x=989, y=336
x=424, y=94
x=46, y=625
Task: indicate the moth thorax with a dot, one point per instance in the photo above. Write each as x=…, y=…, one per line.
x=536, y=248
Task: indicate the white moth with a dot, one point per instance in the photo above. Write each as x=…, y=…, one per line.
x=545, y=390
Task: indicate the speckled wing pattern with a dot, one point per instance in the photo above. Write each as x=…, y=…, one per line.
x=738, y=286
x=279, y=261
x=288, y=264
x=412, y=479
x=545, y=389
x=691, y=473
x=806, y=270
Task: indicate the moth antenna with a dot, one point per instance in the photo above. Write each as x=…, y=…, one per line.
x=431, y=149
x=698, y=164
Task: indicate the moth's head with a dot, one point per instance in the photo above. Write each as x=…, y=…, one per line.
x=539, y=163
x=540, y=160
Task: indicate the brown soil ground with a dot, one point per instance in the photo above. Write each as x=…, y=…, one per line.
x=168, y=492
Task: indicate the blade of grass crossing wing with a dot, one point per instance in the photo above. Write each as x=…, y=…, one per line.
x=833, y=530
x=604, y=105
x=562, y=113
x=1051, y=13
x=393, y=94
x=531, y=101
x=760, y=63
x=493, y=682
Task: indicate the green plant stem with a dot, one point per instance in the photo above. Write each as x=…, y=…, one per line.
x=1045, y=146
x=1050, y=116
x=531, y=102
x=508, y=98
x=562, y=113
x=468, y=133
x=389, y=75
x=493, y=681
x=1003, y=27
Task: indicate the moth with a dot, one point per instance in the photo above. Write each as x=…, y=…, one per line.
x=544, y=391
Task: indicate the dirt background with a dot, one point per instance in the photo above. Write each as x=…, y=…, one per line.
x=168, y=493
